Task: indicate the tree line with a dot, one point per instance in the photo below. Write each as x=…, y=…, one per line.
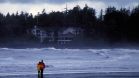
x=112, y=24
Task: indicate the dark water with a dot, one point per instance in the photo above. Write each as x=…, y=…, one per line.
x=82, y=75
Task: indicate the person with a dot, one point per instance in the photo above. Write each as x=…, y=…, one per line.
x=40, y=67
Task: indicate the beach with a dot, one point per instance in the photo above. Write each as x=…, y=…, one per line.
x=70, y=63
x=81, y=75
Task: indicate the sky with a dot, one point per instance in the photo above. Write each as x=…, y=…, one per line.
x=35, y=6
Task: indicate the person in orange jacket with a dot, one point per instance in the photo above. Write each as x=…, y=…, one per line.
x=40, y=67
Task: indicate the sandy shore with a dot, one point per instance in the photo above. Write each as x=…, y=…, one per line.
x=82, y=75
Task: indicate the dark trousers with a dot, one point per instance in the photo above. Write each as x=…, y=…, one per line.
x=40, y=73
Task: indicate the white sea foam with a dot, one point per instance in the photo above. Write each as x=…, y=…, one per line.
x=68, y=60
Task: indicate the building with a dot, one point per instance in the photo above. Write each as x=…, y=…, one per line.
x=64, y=35
x=40, y=33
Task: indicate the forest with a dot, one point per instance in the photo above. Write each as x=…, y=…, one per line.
x=112, y=24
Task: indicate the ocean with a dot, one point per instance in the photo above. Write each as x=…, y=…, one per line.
x=70, y=63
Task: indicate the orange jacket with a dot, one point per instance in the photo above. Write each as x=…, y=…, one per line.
x=40, y=66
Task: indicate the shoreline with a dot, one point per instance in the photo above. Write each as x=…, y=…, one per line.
x=81, y=75
x=70, y=46
x=77, y=47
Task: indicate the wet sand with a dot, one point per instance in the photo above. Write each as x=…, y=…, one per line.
x=81, y=75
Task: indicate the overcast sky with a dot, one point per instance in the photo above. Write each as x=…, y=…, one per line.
x=35, y=6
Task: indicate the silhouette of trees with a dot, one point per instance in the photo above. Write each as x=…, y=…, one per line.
x=114, y=25
x=1, y=24
x=133, y=23
x=116, y=20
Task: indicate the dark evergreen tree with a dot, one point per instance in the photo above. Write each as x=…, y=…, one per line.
x=114, y=25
